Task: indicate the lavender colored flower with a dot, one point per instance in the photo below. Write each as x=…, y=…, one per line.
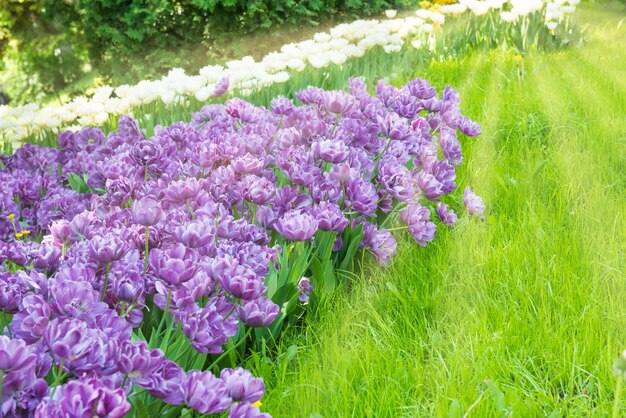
x=468, y=127
x=165, y=383
x=79, y=347
x=361, y=196
x=330, y=217
x=338, y=102
x=137, y=361
x=297, y=225
x=205, y=393
x=108, y=248
x=147, y=211
x=429, y=185
x=181, y=190
x=394, y=127
x=14, y=355
x=221, y=87
x=421, y=89
x=331, y=151
x=445, y=174
x=31, y=321
x=474, y=203
x=417, y=218
x=13, y=287
x=61, y=231
x=246, y=410
x=242, y=386
x=282, y=105
x=385, y=92
x=257, y=190
x=206, y=329
x=383, y=246
x=173, y=265
x=195, y=234
x=87, y=397
x=447, y=215
x=397, y=181
x=243, y=283
x=305, y=289
x=450, y=146
x=259, y=312
x=248, y=164
x=288, y=198
x=22, y=393
x=74, y=299
x=311, y=95
x=266, y=217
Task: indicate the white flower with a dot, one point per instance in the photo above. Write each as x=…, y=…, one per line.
x=508, y=17
x=392, y=48
x=552, y=25
x=203, y=94
x=452, y=9
x=337, y=58
x=390, y=13
x=318, y=61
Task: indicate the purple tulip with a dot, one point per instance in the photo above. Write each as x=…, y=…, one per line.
x=429, y=185
x=246, y=410
x=195, y=234
x=397, y=181
x=260, y=312
x=474, y=203
x=74, y=299
x=181, y=191
x=147, y=211
x=447, y=215
x=297, y=225
x=281, y=105
x=468, y=127
x=13, y=287
x=256, y=189
x=445, y=174
x=421, y=89
x=451, y=147
x=338, y=102
x=205, y=393
x=81, y=348
x=108, y=248
x=242, y=386
x=221, y=87
x=206, y=329
x=305, y=289
x=330, y=217
x=139, y=363
x=361, y=196
x=14, y=355
x=87, y=397
x=417, y=218
x=31, y=321
x=173, y=265
x=331, y=151
x=243, y=283
x=165, y=383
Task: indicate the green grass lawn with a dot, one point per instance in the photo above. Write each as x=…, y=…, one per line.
x=519, y=315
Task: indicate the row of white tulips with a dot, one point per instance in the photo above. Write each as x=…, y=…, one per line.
x=335, y=47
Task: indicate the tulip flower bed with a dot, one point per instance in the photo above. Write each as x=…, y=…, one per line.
x=137, y=272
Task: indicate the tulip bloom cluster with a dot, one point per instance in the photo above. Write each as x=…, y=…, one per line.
x=195, y=221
